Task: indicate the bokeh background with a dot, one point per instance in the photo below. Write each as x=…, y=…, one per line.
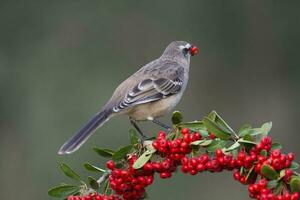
x=61, y=60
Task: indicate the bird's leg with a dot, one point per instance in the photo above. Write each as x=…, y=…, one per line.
x=134, y=124
x=155, y=121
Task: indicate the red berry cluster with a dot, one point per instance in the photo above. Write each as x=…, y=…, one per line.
x=260, y=191
x=275, y=158
x=129, y=183
x=257, y=157
x=94, y=196
x=178, y=148
x=203, y=162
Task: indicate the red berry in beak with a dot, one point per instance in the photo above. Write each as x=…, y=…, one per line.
x=194, y=50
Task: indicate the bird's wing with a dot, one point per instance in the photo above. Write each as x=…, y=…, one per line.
x=158, y=86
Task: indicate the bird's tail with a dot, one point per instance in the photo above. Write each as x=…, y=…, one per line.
x=85, y=132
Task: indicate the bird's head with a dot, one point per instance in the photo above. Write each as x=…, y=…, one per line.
x=180, y=50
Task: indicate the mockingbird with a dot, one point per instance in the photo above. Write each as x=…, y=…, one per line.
x=146, y=95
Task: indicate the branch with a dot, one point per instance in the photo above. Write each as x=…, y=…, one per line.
x=209, y=145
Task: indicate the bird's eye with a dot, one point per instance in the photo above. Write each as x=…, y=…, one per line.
x=185, y=50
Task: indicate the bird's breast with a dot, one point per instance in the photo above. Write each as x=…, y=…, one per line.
x=155, y=109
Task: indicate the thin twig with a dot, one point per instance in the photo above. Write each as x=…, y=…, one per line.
x=103, y=177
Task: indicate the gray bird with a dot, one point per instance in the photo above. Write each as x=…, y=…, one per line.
x=146, y=95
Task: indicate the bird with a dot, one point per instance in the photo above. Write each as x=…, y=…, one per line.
x=148, y=94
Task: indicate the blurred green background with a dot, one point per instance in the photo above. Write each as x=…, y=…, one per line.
x=61, y=60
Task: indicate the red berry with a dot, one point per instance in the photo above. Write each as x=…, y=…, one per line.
x=184, y=168
x=193, y=172
x=194, y=50
x=295, y=196
x=264, y=191
x=185, y=131
x=197, y=136
x=288, y=174
x=251, y=189
x=282, y=159
x=290, y=156
x=155, y=144
x=187, y=138
x=98, y=197
x=287, y=196
x=157, y=167
x=279, y=197
x=149, y=180
x=161, y=134
x=212, y=136
x=236, y=175
x=184, y=145
x=148, y=167
x=219, y=153
x=241, y=156
x=243, y=180
x=166, y=165
x=165, y=175
x=276, y=153
x=200, y=167
x=262, y=183
x=110, y=165
x=194, y=162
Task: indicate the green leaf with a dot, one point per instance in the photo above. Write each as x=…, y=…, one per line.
x=278, y=188
x=222, y=123
x=219, y=131
x=294, y=166
x=143, y=159
x=233, y=147
x=272, y=184
x=194, y=126
x=244, y=130
x=259, y=133
x=276, y=145
x=255, y=132
x=212, y=115
x=281, y=174
x=177, y=117
x=69, y=172
x=234, y=153
x=248, y=137
x=197, y=142
x=133, y=136
x=201, y=142
x=216, y=144
x=93, y=183
x=245, y=127
x=106, y=153
x=206, y=143
x=295, y=184
x=269, y=172
x=243, y=141
x=121, y=153
x=264, y=153
x=106, y=188
x=63, y=191
x=92, y=168
x=266, y=127
x=204, y=133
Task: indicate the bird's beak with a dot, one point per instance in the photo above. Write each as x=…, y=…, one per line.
x=193, y=50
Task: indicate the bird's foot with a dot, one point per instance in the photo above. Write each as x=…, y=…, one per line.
x=168, y=128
